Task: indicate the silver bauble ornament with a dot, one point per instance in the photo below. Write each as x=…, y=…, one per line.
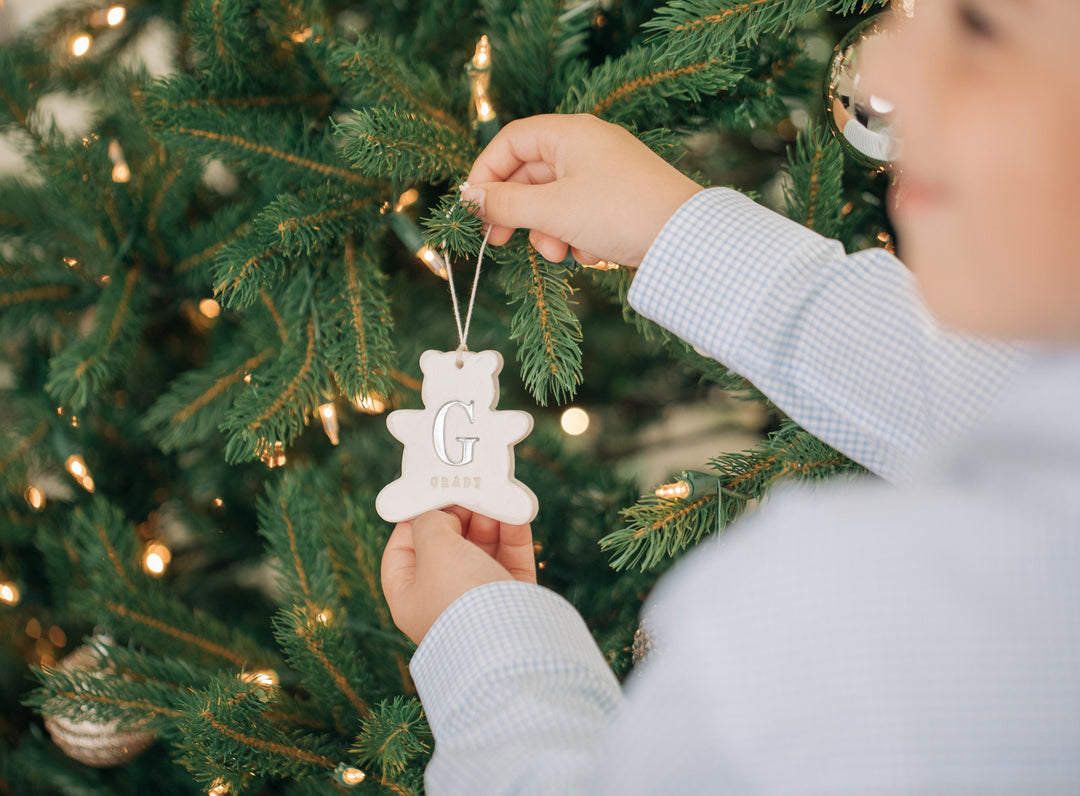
x=88, y=739
x=863, y=122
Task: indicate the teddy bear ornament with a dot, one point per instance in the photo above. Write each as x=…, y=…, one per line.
x=459, y=449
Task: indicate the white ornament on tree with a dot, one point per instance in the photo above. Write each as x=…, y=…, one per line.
x=459, y=448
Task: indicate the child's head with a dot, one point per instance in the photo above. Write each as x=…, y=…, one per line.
x=988, y=97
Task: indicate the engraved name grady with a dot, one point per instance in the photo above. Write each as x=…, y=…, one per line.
x=455, y=482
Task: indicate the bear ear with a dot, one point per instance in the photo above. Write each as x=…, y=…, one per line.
x=429, y=360
x=490, y=361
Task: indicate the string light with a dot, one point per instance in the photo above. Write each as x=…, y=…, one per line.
x=324, y=616
x=120, y=172
x=352, y=776
x=247, y=378
x=218, y=502
x=115, y=15
x=219, y=788
x=480, y=76
x=9, y=593
x=690, y=483
x=267, y=678
x=328, y=415
x=34, y=497
x=482, y=55
x=410, y=235
x=274, y=455
x=70, y=262
x=209, y=308
x=433, y=260
x=674, y=491
x=407, y=199
x=80, y=45
x=574, y=421
x=348, y=775
x=76, y=466
x=156, y=558
x=371, y=404
x=57, y=636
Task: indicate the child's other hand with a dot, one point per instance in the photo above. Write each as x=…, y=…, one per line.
x=430, y=562
x=576, y=181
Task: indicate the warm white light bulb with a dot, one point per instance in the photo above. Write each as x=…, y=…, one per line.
x=121, y=172
x=9, y=593
x=35, y=497
x=115, y=16
x=328, y=414
x=156, y=558
x=352, y=776
x=675, y=491
x=80, y=45
x=370, y=404
x=209, y=308
x=575, y=421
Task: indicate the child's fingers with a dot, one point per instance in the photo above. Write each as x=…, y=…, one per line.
x=463, y=514
x=516, y=552
x=552, y=249
x=534, y=173
x=516, y=205
x=521, y=141
x=583, y=257
x=398, y=568
x=484, y=533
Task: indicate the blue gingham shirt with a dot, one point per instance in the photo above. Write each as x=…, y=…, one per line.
x=864, y=638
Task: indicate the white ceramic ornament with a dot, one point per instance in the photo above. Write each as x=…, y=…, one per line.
x=458, y=449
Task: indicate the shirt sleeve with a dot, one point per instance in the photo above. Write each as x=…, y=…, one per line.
x=842, y=343
x=517, y=693
x=869, y=640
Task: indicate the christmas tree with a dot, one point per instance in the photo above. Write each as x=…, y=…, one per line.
x=260, y=237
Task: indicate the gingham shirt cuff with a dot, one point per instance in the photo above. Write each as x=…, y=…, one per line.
x=695, y=262
x=499, y=633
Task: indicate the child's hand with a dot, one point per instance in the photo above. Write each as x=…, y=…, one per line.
x=577, y=181
x=430, y=562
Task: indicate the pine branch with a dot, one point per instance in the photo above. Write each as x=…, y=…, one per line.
x=226, y=735
x=375, y=74
x=385, y=142
x=194, y=404
x=546, y=330
x=87, y=365
x=334, y=673
x=360, y=343
x=289, y=230
x=275, y=407
x=21, y=300
x=100, y=547
x=657, y=528
x=695, y=30
x=639, y=86
x=289, y=521
x=535, y=46
x=453, y=226
x=814, y=196
x=395, y=735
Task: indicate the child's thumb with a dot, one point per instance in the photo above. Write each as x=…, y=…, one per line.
x=435, y=535
x=515, y=205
